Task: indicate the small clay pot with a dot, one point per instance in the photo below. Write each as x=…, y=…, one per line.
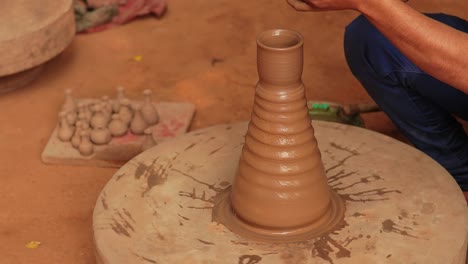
x=148, y=140
x=65, y=131
x=117, y=127
x=86, y=148
x=138, y=124
x=101, y=136
x=148, y=110
x=125, y=112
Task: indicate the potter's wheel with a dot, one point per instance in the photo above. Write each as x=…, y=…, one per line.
x=402, y=207
x=31, y=33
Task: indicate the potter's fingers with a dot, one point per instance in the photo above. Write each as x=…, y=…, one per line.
x=300, y=5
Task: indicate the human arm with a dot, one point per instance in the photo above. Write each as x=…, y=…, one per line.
x=437, y=49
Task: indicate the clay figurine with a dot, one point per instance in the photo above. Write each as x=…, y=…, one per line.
x=86, y=148
x=126, y=112
x=69, y=104
x=138, y=124
x=71, y=118
x=149, y=112
x=148, y=140
x=81, y=108
x=100, y=135
x=88, y=109
x=85, y=125
x=76, y=139
x=98, y=119
x=117, y=127
x=106, y=107
x=117, y=101
x=65, y=131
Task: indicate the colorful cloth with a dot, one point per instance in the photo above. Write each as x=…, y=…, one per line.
x=98, y=15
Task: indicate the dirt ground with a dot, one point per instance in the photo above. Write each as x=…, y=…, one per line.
x=200, y=51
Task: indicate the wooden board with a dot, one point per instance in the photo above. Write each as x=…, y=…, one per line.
x=175, y=119
x=401, y=206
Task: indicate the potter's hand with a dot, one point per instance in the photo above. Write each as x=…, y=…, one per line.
x=442, y=55
x=322, y=5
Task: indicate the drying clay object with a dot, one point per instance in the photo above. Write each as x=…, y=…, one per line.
x=65, y=132
x=115, y=106
x=99, y=119
x=71, y=118
x=87, y=111
x=125, y=112
x=106, y=107
x=280, y=192
x=118, y=99
x=86, y=148
x=81, y=108
x=148, y=140
x=107, y=104
x=101, y=136
x=90, y=106
x=83, y=112
x=82, y=116
x=138, y=124
x=106, y=111
x=149, y=112
x=85, y=126
x=120, y=93
x=76, y=139
x=117, y=127
x=69, y=105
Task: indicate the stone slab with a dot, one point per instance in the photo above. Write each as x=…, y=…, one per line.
x=33, y=32
x=402, y=207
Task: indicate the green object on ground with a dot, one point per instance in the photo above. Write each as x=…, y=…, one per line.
x=320, y=106
x=332, y=112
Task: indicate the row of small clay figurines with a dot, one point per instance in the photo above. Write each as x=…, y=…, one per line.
x=86, y=123
x=99, y=113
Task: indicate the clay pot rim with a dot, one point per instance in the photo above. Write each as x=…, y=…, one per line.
x=276, y=32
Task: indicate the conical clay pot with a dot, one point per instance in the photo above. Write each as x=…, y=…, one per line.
x=280, y=191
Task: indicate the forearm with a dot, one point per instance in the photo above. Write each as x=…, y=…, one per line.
x=437, y=49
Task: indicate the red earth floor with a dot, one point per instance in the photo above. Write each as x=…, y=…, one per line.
x=202, y=52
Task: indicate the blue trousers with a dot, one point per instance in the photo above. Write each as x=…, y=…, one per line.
x=418, y=104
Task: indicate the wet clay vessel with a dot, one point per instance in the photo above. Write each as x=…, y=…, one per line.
x=280, y=191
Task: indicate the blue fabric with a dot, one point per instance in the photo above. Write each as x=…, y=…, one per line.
x=419, y=105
